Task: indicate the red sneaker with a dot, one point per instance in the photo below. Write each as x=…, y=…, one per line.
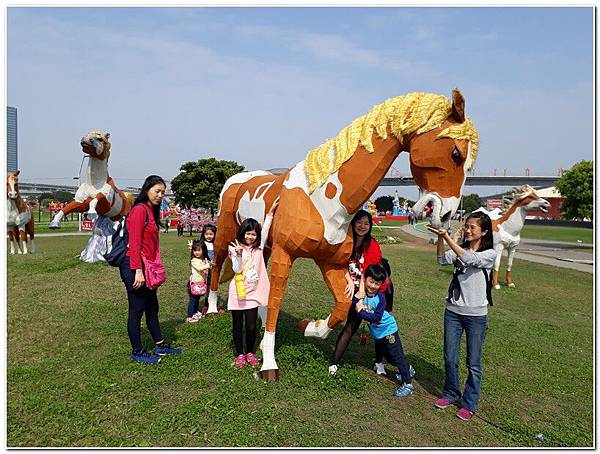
x=252, y=359
x=464, y=413
x=442, y=403
x=240, y=361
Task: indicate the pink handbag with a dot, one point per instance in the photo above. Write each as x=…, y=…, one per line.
x=154, y=272
x=198, y=288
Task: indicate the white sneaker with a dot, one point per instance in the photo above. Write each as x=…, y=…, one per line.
x=379, y=368
x=333, y=369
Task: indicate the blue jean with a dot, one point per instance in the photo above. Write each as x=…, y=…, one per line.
x=475, y=328
x=193, y=301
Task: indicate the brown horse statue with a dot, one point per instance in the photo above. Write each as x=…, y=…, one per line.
x=306, y=211
x=19, y=218
x=97, y=192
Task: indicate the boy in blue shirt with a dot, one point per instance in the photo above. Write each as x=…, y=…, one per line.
x=383, y=327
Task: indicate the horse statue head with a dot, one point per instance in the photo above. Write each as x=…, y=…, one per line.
x=96, y=145
x=526, y=198
x=441, y=152
x=12, y=185
x=441, y=140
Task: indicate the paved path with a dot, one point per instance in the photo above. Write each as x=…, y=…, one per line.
x=554, y=253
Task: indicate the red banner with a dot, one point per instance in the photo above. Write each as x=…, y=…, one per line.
x=87, y=225
x=494, y=203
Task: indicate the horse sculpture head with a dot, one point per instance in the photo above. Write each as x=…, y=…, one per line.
x=12, y=184
x=526, y=198
x=96, y=144
x=440, y=157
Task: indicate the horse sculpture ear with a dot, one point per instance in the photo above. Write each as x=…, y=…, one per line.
x=107, y=135
x=17, y=173
x=458, y=106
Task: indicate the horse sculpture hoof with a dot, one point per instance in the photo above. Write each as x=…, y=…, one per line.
x=511, y=285
x=497, y=286
x=302, y=324
x=270, y=374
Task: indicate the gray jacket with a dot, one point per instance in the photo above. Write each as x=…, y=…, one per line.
x=472, y=299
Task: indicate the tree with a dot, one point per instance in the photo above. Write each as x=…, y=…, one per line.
x=471, y=202
x=63, y=196
x=576, y=185
x=45, y=196
x=384, y=203
x=200, y=182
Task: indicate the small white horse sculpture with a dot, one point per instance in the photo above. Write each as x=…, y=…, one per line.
x=507, y=227
x=19, y=219
x=97, y=193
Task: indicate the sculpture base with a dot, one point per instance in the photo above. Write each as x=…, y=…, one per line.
x=270, y=374
x=302, y=324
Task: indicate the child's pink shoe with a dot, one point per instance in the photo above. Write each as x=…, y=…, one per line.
x=240, y=361
x=252, y=359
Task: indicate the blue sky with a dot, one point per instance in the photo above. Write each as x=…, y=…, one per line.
x=262, y=86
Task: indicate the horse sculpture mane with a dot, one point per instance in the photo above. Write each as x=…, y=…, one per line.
x=517, y=194
x=413, y=113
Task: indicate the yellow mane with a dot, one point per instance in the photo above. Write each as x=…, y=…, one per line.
x=414, y=112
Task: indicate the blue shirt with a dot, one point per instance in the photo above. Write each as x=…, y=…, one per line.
x=381, y=322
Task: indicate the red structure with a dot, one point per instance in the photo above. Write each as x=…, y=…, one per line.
x=552, y=195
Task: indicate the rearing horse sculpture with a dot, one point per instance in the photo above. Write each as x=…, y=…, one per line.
x=97, y=193
x=507, y=228
x=310, y=206
x=19, y=218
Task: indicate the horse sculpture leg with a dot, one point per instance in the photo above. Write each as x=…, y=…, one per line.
x=335, y=278
x=23, y=240
x=74, y=206
x=499, y=248
x=281, y=263
x=511, y=255
x=29, y=229
x=13, y=237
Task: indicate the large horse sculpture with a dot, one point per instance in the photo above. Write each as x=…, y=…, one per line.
x=97, y=192
x=507, y=228
x=19, y=218
x=306, y=211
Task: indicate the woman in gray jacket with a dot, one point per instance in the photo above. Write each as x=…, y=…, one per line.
x=466, y=308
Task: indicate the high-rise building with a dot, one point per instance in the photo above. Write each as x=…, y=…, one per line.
x=12, y=163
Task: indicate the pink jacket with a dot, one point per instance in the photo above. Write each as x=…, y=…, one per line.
x=256, y=280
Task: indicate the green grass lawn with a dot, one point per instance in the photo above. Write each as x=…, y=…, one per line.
x=548, y=233
x=543, y=232
x=70, y=381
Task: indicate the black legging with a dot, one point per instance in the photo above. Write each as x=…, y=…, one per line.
x=345, y=336
x=142, y=301
x=343, y=340
x=237, y=318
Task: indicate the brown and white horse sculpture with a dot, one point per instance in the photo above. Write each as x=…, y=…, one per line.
x=97, y=192
x=306, y=211
x=19, y=218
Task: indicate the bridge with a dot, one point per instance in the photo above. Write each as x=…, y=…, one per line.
x=483, y=180
x=28, y=189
